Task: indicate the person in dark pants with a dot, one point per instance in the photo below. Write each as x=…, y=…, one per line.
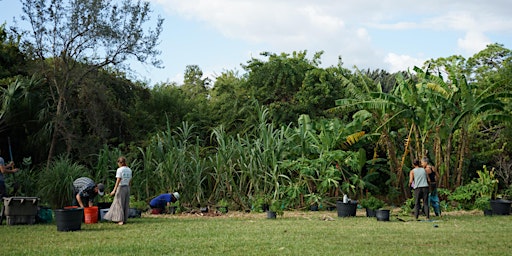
x=85, y=189
x=433, y=175
x=160, y=202
x=418, y=176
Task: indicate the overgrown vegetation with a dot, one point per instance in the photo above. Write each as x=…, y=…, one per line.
x=287, y=130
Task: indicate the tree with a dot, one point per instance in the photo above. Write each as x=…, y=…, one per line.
x=275, y=82
x=72, y=39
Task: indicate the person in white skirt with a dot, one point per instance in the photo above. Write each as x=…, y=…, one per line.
x=119, y=210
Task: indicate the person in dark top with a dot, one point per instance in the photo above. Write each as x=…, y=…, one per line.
x=433, y=176
x=85, y=189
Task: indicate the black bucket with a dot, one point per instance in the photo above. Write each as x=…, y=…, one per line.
x=69, y=219
x=370, y=213
x=500, y=207
x=382, y=215
x=346, y=209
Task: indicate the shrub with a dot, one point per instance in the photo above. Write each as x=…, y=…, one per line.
x=371, y=203
x=56, y=182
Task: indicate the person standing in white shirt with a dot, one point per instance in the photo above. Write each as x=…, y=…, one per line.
x=120, y=208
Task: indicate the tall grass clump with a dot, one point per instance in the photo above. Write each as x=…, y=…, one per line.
x=56, y=182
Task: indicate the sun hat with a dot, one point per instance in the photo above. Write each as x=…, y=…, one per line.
x=176, y=195
x=101, y=189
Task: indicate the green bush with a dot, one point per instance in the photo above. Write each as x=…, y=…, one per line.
x=371, y=203
x=56, y=182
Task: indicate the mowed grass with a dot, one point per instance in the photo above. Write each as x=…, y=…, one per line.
x=296, y=233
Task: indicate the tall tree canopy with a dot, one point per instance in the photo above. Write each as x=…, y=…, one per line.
x=73, y=39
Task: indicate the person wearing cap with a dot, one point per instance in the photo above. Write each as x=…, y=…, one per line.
x=85, y=189
x=162, y=201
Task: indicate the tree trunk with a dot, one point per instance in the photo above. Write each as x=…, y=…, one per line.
x=447, y=158
x=461, y=157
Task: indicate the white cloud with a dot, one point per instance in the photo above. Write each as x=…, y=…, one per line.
x=346, y=27
x=401, y=62
x=473, y=42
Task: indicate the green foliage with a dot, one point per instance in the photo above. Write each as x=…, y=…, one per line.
x=485, y=186
x=314, y=199
x=483, y=203
x=56, y=182
x=138, y=204
x=259, y=201
x=371, y=203
x=223, y=203
x=277, y=206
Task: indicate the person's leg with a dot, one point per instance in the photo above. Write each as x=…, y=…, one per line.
x=434, y=198
x=416, y=203
x=426, y=208
x=3, y=190
x=126, y=203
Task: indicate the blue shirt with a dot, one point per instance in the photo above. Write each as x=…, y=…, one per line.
x=161, y=201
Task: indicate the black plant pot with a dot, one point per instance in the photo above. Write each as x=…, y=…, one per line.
x=346, y=209
x=271, y=215
x=313, y=208
x=69, y=219
x=382, y=215
x=370, y=213
x=487, y=212
x=500, y=207
x=104, y=205
x=134, y=213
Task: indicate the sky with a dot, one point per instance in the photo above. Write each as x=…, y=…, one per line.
x=394, y=35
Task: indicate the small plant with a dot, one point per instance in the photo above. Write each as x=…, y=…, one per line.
x=222, y=206
x=313, y=199
x=372, y=203
x=277, y=207
x=222, y=203
x=483, y=203
x=139, y=205
x=260, y=203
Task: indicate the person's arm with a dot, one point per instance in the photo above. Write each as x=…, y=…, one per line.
x=79, y=200
x=7, y=168
x=118, y=180
x=411, y=178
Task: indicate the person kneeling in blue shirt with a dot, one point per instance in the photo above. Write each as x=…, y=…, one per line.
x=159, y=203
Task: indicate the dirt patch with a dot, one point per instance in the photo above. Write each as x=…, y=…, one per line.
x=325, y=215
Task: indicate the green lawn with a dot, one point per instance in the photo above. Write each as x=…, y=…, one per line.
x=296, y=233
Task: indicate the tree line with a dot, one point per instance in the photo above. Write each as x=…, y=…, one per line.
x=285, y=129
